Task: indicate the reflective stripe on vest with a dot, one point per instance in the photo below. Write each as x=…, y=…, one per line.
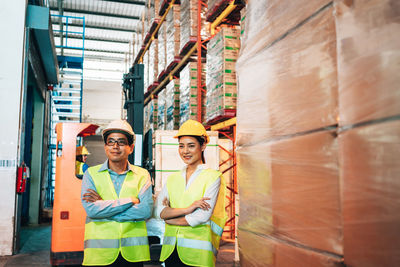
x=218, y=230
x=104, y=238
x=196, y=244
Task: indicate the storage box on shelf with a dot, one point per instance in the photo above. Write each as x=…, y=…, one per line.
x=146, y=72
x=162, y=50
x=150, y=115
x=172, y=105
x=153, y=62
x=188, y=93
x=172, y=23
x=222, y=53
x=189, y=24
x=161, y=114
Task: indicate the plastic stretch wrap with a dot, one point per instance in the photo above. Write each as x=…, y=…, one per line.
x=161, y=103
x=150, y=115
x=222, y=53
x=289, y=189
x=146, y=72
x=291, y=86
x=370, y=171
x=368, y=59
x=189, y=22
x=188, y=92
x=173, y=29
x=162, y=49
x=153, y=61
x=260, y=251
x=172, y=105
x=268, y=21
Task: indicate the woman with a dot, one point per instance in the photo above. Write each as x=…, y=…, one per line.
x=192, y=204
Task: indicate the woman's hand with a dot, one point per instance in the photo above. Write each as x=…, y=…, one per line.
x=91, y=196
x=201, y=203
x=165, y=202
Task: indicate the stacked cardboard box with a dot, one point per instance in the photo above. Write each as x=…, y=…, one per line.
x=188, y=93
x=189, y=22
x=222, y=53
x=369, y=111
x=172, y=105
x=173, y=29
x=162, y=48
x=161, y=115
x=293, y=150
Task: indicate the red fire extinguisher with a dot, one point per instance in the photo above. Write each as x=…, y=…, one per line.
x=22, y=175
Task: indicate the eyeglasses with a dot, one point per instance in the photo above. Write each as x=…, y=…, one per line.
x=119, y=142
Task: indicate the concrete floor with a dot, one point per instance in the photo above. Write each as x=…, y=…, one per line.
x=35, y=250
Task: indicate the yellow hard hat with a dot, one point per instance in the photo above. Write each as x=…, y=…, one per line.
x=82, y=150
x=119, y=126
x=192, y=127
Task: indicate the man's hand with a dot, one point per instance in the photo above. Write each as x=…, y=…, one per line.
x=135, y=200
x=91, y=196
x=201, y=203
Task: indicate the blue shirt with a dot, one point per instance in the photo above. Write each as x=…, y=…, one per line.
x=121, y=209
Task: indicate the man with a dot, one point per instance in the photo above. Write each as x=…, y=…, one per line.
x=117, y=198
x=81, y=157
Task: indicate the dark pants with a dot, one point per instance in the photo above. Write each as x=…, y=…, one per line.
x=121, y=262
x=174, y=260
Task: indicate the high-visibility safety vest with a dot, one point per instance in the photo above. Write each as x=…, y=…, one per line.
x=79, y=167
x=105, y=239
x=196, y=246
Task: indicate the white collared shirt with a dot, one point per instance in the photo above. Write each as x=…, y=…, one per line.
x=199, y=216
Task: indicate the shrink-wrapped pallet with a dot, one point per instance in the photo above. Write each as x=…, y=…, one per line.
x=150, y=115
x=370, y=171
x=161, y=107
x=222, y=53
x=368, y=60
x=189, y=22
x=290, y=190
x=291, y=86
x=172, y=105
x=172, y=23
x=162, y=48
x=153, y=62
x=189, y=94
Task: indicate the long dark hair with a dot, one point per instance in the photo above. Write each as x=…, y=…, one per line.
x=201, y=141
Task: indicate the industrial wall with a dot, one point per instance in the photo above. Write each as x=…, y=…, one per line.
x=11, y=76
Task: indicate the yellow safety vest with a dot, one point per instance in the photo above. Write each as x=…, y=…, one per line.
x=197, y=246
x=105, y=239
x=79, y=167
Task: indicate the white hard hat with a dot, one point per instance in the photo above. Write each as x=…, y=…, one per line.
x=119, y=126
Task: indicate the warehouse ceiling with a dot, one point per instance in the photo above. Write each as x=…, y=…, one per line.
x=110, y=26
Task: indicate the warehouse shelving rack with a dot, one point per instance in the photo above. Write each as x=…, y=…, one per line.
x=224, y=12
